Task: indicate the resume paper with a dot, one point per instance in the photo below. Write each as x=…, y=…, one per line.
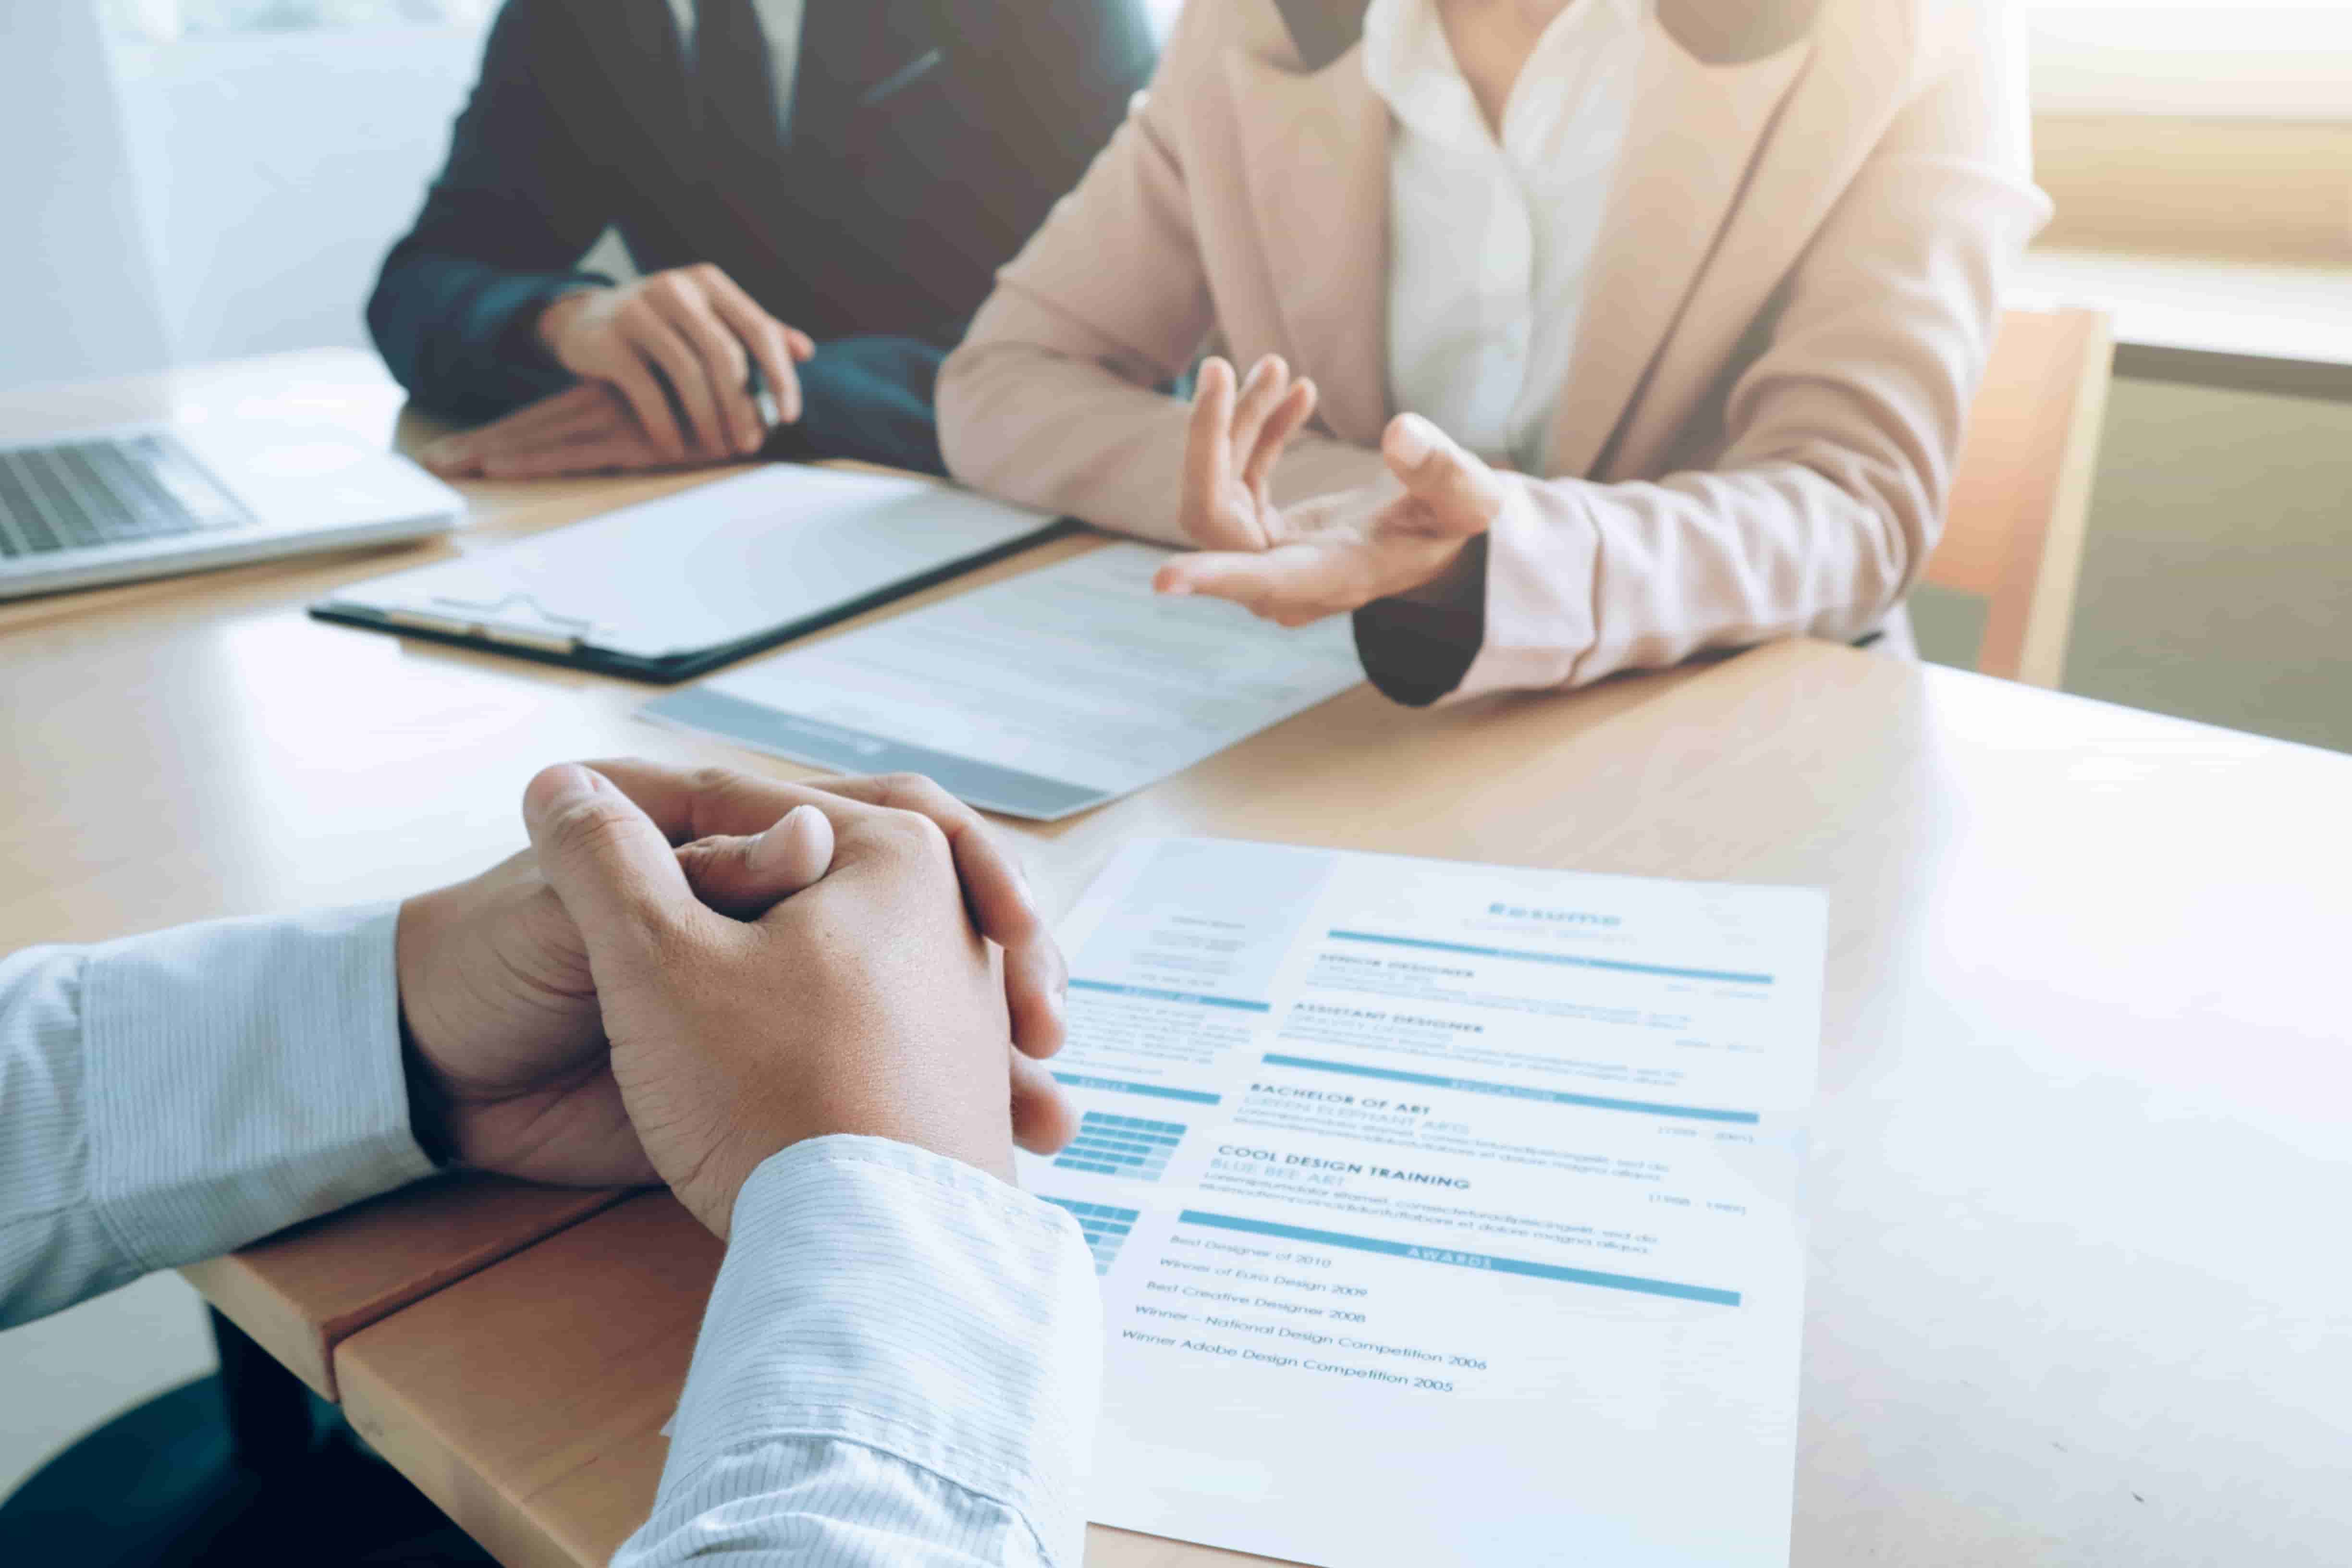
x=1446, y=1214
x=1038, y=696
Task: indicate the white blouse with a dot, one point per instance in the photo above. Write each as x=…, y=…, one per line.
x=1490, y=244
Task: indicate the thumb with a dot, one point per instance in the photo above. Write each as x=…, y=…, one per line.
x=617, y=876
x=1456, y=485
x=1042, y=1121
x=452, y=456
x=744, y=877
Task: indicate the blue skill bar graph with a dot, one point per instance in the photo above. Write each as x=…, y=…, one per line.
x=1104, y=1226
x=1132, y=1146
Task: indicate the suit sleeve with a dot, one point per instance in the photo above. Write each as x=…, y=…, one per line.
x=502, y=231
x=1050, y=402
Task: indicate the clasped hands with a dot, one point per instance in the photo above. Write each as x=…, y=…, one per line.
x=1331, y=554
x=688, y=971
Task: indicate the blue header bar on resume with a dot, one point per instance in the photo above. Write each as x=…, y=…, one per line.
x=1146, y=992
x=1513, y=1091
x=1154, y=1090
x=1464, y=1259
x=1575, y=960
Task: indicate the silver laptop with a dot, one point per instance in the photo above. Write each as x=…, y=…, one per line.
x=148, y=500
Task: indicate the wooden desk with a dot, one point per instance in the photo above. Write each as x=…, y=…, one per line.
x=2077, y=1292
x=2078, y=1154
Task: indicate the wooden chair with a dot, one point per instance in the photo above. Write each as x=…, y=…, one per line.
x=2013, y=536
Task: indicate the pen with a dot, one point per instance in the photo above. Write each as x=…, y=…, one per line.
x=905, y=76
x=756, y=385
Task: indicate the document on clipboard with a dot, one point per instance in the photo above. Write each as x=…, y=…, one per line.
x=675, y=587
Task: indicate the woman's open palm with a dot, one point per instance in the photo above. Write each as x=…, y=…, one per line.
x=1331, y=554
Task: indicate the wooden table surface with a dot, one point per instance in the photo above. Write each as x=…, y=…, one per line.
x=2078, y=1292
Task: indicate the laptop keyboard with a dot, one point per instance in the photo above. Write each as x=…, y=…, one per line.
x=81, y=495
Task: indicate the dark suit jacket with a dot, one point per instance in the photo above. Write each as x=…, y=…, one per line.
x=890, y=212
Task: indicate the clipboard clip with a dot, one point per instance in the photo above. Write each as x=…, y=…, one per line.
x=580, y=623
x=479, y=618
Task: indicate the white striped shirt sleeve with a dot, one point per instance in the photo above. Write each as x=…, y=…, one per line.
x=901, y=1357
x=172, y=1097
x=899, y=1365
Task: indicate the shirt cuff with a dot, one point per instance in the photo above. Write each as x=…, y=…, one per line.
x=243, y=1075
x=1416, y=648
x=1518, y=613
x=879, y=1294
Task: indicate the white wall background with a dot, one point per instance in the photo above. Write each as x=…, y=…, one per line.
x=205, y=197
x=77, y=282
x=275, y=169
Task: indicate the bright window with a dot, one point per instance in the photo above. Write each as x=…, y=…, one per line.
x=2191, y=24
x=1163, y=13
x=166, y=21
x=2274, y=60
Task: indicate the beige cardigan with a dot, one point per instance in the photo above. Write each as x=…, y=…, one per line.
x=1786, y=325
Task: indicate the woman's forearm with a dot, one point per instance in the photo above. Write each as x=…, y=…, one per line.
x=1031, y=410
